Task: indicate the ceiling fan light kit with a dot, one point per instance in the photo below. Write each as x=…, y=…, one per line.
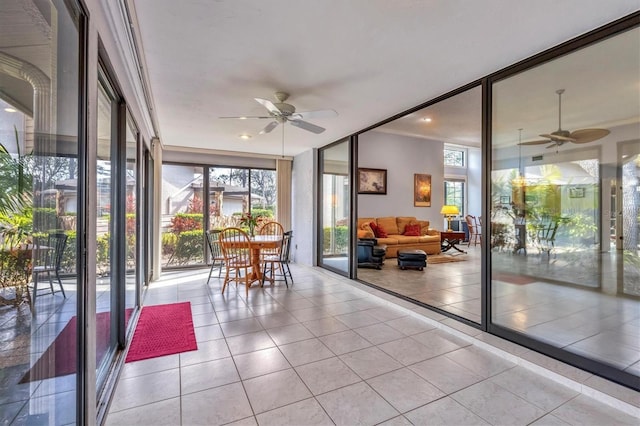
x=560, y=136
x=281, y=112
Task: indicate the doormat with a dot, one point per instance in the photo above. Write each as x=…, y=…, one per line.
x=444, y=258
x=60, y=357
x=512, y=278
x=163, y=330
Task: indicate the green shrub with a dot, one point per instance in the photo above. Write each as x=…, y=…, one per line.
x=189, y=248
x=268, y=213
x=341, y=234
x=45, y=219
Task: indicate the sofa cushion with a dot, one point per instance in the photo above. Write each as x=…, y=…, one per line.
x=378, y=230
x=403, y=221
x=363, y=220
x=388, y=224
x=424, y=226
x=365, y=234
x=403, y=239
x=412, y=230
x=429, y=239
x=388, y=241
x=366, y=227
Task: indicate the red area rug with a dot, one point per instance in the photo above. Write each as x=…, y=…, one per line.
x=163, y=330
x=60, y=357
x=512, y=278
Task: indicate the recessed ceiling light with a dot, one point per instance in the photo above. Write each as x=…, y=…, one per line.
x=242, y=118
x=427, y=119
x=245, y=136
x=8, y=109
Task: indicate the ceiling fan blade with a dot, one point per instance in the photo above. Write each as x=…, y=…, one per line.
x=269, y=105
x=268, y=128
x=589, y=135
x=322, y=113
x=246, y=117
x=305, y=125
x=554, y=145
x=539, y=142
x=558, y=138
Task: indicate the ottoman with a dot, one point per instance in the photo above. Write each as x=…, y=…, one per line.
x=412, y=259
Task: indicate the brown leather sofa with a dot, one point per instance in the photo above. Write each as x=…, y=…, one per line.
x=394, y=226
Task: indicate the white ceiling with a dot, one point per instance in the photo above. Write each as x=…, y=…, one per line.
x=366, y=59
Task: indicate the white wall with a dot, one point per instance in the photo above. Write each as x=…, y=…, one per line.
x=303, y=203
x=402, y=156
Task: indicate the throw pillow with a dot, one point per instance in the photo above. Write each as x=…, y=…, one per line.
x=378, y=230
x=412, y=230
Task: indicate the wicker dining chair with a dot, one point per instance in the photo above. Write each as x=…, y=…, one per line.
x=236, y=249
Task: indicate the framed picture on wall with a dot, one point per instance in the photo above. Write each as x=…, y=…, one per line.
x=372, y=181
x=421, y=190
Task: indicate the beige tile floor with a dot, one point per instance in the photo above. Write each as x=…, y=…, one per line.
x=327, y=351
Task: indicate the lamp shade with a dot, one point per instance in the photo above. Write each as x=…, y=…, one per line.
x=450, y=210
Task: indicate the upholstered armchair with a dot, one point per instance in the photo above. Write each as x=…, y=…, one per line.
x=370, y=254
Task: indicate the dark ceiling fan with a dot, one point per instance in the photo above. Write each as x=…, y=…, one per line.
x=281, y=112
x=560, y=137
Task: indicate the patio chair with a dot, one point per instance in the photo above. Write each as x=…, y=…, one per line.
x=217, y=258
x=280, y=259
x=236, y=249
x=47, y=260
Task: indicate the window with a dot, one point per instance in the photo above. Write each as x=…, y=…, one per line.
x=454, y=157
x=454, y=194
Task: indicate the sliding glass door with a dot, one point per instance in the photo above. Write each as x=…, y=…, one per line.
x=335, y=208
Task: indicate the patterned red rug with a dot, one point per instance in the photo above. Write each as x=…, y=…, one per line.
x=163, y=330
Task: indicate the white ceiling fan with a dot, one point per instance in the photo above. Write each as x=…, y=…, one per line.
x=560, y=137
x=281, y=112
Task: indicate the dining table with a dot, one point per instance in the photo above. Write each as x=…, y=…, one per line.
x=256, y=244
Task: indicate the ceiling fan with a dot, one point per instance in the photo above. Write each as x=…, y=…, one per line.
x=560, y=137
x=281, y=112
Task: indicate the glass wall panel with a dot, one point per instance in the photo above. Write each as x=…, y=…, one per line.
x=564, y=210
x=432, y=158
x=39, y=62
x=106, y=283
x=132, y=226
x=263, y=193
x=182, y=215
x=335, y=207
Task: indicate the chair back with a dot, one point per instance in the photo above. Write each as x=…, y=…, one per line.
x=285, y=249
x=48, y=252
x=235, y=245
x=213, y=241
x=471, y=223
x=272, y=228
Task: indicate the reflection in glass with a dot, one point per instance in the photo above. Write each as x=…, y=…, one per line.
x=38, y=206
x=558, y=203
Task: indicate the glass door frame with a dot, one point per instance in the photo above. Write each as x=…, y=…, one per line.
x=352, y=242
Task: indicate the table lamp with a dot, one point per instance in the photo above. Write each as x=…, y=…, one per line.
x=448, y=212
